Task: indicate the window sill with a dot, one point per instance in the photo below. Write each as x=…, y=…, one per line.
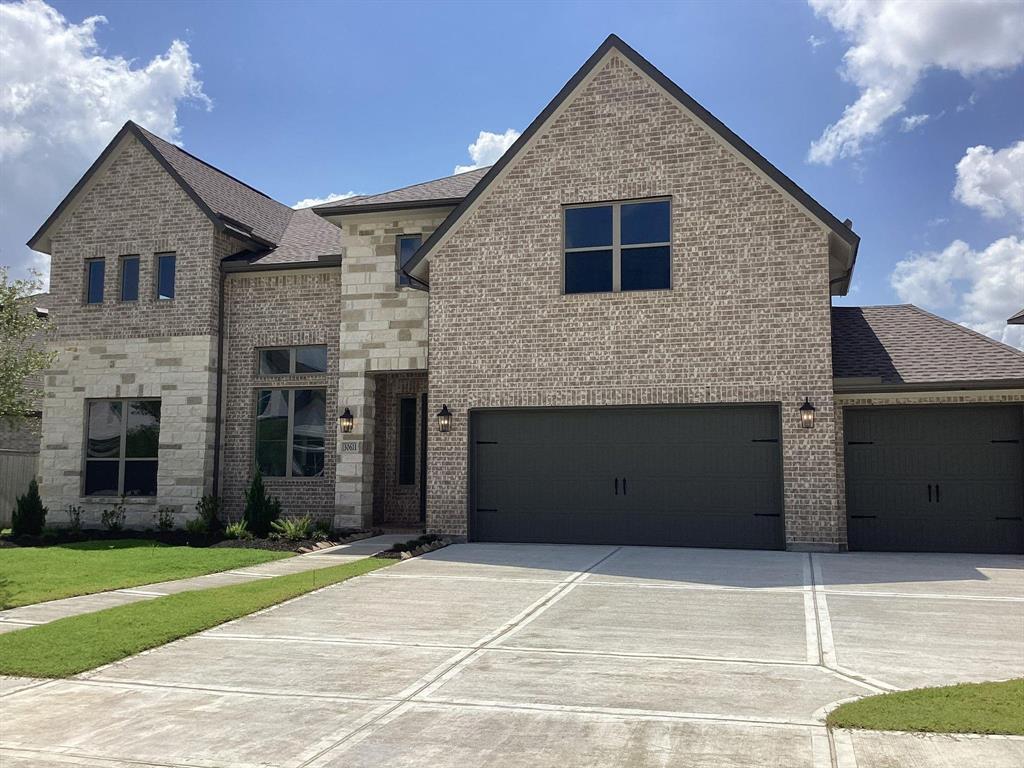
x=117, y=500
x=643, y=291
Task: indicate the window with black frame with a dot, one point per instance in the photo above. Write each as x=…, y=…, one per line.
x=122, y=445
x=284, y=361
x=623, y=246
x=291, y=427
x=405, y=247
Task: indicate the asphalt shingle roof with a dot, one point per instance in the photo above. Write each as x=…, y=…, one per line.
x=904, y=344
x=306, y=237
x=449, y=188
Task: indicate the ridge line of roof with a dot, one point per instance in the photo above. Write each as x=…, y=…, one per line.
x=367, y=199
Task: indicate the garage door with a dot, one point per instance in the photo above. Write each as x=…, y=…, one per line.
x=706, y=477
x=935, y=479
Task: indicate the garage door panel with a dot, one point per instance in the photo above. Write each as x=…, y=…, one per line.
x=660, y=476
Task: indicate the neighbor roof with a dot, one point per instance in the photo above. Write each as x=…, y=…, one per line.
x=1017, y=319
x=277, y=233
x=894, y=346
x=429, y=194
x=842, y=230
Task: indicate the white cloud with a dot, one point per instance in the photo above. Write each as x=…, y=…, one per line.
x=311, y=201
x=815, y=42
x=992, y=181
x=912, y=122
x=487, y=148
x=896, y=41
x=62, y=98
x=979, y=289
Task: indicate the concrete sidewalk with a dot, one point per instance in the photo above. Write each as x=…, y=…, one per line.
x=42, y=613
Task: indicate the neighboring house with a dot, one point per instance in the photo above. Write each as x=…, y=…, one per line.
x=629, y=326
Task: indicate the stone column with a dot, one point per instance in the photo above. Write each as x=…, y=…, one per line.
x=353, y=504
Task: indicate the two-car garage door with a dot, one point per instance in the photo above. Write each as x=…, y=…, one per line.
x=666, y=476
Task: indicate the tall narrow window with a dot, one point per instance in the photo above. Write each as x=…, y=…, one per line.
x=618, y=247
x=290, y=432
x=165, y=266
x=94, y=275
x=122, y=441
x=407, y=441
x=405, y=247
x=129, y=278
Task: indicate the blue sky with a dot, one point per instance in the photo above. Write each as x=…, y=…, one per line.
x=304, y=99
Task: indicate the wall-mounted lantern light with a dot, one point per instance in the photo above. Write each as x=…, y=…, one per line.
x=444, y=419
x=347, y=421
x=807, y=414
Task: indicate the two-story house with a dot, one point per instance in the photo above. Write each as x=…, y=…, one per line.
x=630, y=340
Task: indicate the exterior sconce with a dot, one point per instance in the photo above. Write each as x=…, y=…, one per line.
x=444, y=419
x=347, y=421
x=807, y=415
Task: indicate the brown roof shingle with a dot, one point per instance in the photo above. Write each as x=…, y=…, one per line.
x=904, y=344
x=450, y=188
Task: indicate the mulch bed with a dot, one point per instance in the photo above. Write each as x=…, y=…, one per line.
x=185, y=539
x=414, y=547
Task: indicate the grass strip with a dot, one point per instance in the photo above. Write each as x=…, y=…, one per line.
x=68, y=646
x=34, y=574
x=966, y=708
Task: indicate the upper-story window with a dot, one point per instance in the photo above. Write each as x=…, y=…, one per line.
x=129, y=278
x=405, y=247
x=94, y=276
x=282, y=361
x=165, y=268
x=618, y=246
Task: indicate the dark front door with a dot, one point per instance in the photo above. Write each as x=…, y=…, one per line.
x=935, y=479
x=663, y=476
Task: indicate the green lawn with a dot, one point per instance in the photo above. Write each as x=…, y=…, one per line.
x=79, y=643
x=34, y=574
x=965, y=708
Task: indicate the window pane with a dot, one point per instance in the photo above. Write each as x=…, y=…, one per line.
x=140, y=478
x=272, y=432
x=274, y=362
x=129, y=279
x=142, y=437
x=407, y=246
x=310, y=359
x=104, y=435
x=101, y=478
x=646, y=268
x=165, y=276
x=94, y=278
x=407, y=441
x=645, y=223
x=588, y=271
x=588, y=227
x=308, y=432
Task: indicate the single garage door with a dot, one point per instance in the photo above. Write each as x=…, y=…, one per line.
x=935, y=479
x=672, y=476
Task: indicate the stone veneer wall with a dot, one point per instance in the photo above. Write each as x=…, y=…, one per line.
x=383, y=328
x=277, y=309
x=148, y=348
x=895, y=400
x=395, y=504
x=747, y=319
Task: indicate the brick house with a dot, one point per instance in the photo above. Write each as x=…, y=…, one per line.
x=630, y=337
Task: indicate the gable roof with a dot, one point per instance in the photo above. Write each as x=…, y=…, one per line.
x=842, y=230
x=1017, y=319
x=275, y=232
x=894, y=346
x=429, y=194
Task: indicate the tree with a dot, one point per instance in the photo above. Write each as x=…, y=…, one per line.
x=23, y=353
x=30, y=514
x=260, y=509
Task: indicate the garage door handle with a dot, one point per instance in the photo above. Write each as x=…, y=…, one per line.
x=1009, y=518
x=616, y=486
x=623, y=486
x=936, y=492
x=929, y=491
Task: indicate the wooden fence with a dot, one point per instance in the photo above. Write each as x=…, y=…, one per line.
x=17, y=468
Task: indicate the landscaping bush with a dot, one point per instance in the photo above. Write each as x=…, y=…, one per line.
x=260, y=509
x=239, y=530
x=29, y=514
x=165, y=519
x=196, y=525
x=208, y=508
x=294, y=528
x=113, y=519
x=74, y=513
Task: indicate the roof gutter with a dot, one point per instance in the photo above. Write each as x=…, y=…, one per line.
x=231, y=267
x=404, y=205
x=863, y=387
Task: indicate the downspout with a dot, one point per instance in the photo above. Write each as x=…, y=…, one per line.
x=218, y=405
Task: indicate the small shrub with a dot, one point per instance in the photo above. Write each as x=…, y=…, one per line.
x=293, y=528
x=260, y=509
x=74, y=513
x=29, y=513
x=239, y=530
x=208, y=508
x=323, y=525
x=165, y=519
x=113, y=519
x=196, y=525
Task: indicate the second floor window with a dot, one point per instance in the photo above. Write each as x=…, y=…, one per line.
x=288, y=360
x=290, y=431
x=165, y=268
x=94, y=276
x=618, y=247
x=405, y=247
x=129, y=278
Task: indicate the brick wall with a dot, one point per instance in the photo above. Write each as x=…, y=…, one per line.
x=278, y=309
x=746, y=321
x=395, y=504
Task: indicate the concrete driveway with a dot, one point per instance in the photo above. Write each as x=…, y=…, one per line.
x=544, y=655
